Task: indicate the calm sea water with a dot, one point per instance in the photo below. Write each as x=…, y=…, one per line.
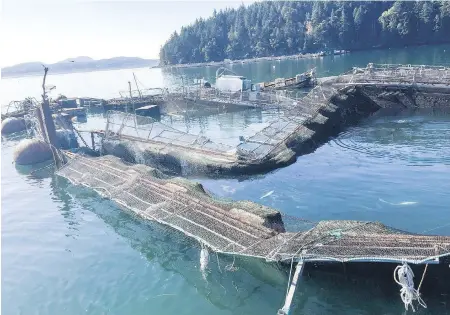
x=67, y=251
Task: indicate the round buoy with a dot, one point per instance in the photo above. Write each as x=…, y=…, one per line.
x=32, y=151
x=12, y=125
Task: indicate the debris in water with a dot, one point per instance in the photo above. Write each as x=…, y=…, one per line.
x=403, y=203
x=267, y=195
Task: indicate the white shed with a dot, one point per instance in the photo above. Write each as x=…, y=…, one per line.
x=233, y=83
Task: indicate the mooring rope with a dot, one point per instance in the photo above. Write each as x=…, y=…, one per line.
x=218, y=262
x=423, y=277
x=42, y=168
x=404, y=275
x=232, y=267
x=290, y=275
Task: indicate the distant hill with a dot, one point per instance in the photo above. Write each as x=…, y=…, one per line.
x=78, y=64
x=78, y=59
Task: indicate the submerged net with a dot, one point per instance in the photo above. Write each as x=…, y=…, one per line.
x=121, y=125
x=387, y=73
x=291, y=126
x=261, y=146
x=245, y=228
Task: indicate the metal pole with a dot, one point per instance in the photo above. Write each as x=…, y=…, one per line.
x=290, y=295
x=93, y=141
x=129, y=89
x=41, y=123
x=131, y=96
x=49, y=125
x=137, y=87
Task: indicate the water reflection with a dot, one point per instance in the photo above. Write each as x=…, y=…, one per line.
x=418, y=138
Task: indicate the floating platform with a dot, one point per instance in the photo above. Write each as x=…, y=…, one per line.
x=301, y=80
x=124, y=103
x=90, y=102
x=68, y=103
x=72, y=112
x=149, y=111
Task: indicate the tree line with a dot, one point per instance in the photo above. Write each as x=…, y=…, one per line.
x=276, y=28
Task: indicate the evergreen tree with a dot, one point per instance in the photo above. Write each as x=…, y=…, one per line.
x=273, y=28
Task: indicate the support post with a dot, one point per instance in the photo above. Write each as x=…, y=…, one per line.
x=93, y=141
x=38, y=114
x=49, y=125
x=129, y=89
x=290, y=295
x=131, y=97
x=137, y=87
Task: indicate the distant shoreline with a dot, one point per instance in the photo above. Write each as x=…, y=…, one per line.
x=240, y=61
x=76, y=65
x=50, y=72
x=291, y=57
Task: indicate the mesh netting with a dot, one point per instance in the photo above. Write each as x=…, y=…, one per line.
x=121, y=125
x=198, y=97
x=297, y=114
x=245, y=228
x=385, y=73
x=259, y=147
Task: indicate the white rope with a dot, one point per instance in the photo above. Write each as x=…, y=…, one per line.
x=218, y=263
x=404, y=275
x=232, y=267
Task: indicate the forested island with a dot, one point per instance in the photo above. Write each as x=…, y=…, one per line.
x=289, y=27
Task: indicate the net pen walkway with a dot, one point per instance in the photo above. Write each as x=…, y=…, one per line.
x=247, y=230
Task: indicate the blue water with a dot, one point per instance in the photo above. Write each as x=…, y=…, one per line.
x=67, y=251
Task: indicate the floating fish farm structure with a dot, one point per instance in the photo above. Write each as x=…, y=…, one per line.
x=138, y=152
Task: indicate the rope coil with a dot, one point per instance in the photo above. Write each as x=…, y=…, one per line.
x=403, y=275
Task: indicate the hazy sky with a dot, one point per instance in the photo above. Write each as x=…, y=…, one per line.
x=53, y=30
